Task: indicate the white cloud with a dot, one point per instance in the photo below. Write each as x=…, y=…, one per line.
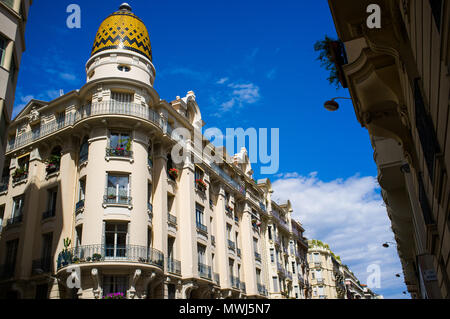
x=222, y=81
x=241, y=95
x=348, y=214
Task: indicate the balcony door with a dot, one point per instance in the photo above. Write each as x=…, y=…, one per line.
x=116, y=236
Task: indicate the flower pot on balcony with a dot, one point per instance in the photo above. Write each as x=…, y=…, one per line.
x=173, y=173
x=201, y=185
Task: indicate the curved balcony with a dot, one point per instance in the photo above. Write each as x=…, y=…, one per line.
x=102, y=254
x=91, y=110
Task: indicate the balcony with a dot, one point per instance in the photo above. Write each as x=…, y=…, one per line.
x=48, y=214
x=43, y=264
x=257, y=256
x=52, y=168
x=14, y=220
x=87, y=111
x=171, y=219
x=262, y=289
x=235, y=282
x=79, y=206
x=228, y=179
x=118, y=152
x=231, y=245
x=102, y=253
x=262, y=206
x=202, y=228
x=113, y=199
x=174, y=266
x=204, y=271
x=19, y=177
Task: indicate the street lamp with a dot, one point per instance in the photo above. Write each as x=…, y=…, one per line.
x=332, y=105
x=386, y=244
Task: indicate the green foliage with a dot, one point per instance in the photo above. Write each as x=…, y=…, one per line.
x=326, y=59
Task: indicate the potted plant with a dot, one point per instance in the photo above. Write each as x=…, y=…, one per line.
x=19, y=173
x=53, y=163
x=332, y=57
x=96, y=257
x=228, y=209
x=173, y=172
x=116, y=295
x=201, y=184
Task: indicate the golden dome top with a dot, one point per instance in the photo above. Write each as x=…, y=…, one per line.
x=123, y=30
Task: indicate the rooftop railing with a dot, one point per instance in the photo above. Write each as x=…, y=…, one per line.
x=106, y=253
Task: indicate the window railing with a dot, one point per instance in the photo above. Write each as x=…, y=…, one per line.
x=171, y=219
x=49, y=214
x=204, y=271
x=14, y=220
x=21, y=177
x=114, y=199
x=106, y=253
x=118, y=152
x=79, y=205
x=231, y=245
x=217, y=278
x=235, y=282
x=174, y=266
x=43, y=264
x=52, y=168
x=262, y=289
x=90, y=110
x=202, y=228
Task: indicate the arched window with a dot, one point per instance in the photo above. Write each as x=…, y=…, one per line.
x=84, y=151
x=54, y=160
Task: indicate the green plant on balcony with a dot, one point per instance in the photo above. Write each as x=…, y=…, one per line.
x=332, y=57
x=19, y=173
x=53, y=163
x=96, y=257
x=65, y=256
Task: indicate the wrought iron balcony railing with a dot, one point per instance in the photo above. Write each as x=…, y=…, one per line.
x=204, y=271
x=171, y=219
x=174, y=266
x=202, y=228
x=14, y=220
x=20, y=178
x=231, y=245
x=96, y=109
x=118, y=152
x=262, y=289
x=228, y=179
x=114, y=199
x=79, y=205
x=49, y=214
x=106, y=253
x=235, y=282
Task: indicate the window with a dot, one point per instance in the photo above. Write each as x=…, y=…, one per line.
x=237, y=240
x=2, y=214
x=231, y=266
x=170, y=245
x=269, y=231
x=199, y=214
x=18, y=206
x=149, y=197
x=201, y=253
x=84, y=151
x=52, y=195
x=124, y=68
x=171, y=290
x=3, y=44
x=78, y=235
x=275, y=284
x=228, y=231
x=119, y=144
x=118, y=189
x=116, y=240
x=199, y=174
x=255, y=245
x=258, y=276
x=81, y=189
x=11, y=255
x=293, y=268
x=115, y=284
x=272, y=255
x=46, y=253
x=9, y=3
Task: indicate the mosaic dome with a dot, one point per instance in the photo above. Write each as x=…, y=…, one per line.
x=123, y=30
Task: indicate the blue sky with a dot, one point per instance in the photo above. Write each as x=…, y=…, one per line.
x=250, y=64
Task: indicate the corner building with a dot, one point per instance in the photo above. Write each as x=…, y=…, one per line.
x=90, y=183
